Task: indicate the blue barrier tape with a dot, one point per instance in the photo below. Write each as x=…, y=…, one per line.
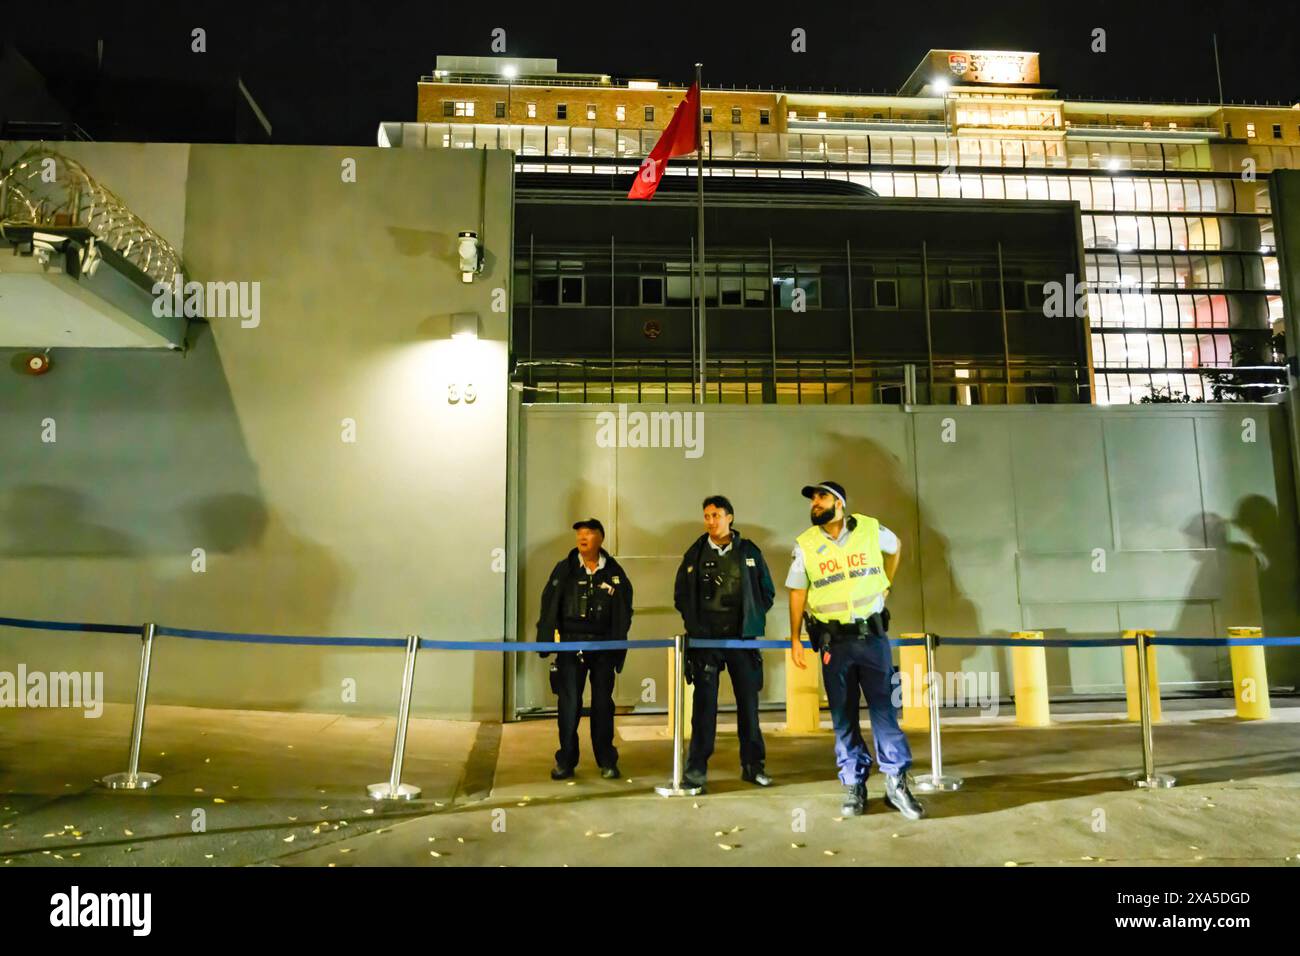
x=70, y=626
x=281, y=638
x=1226, y=641
x=534, y=646
x=1038, y=642
x=540, y=646
x=735, y=643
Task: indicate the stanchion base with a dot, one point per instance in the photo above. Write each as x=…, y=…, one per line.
x=129, y=781
x=668, y=790
x=929, y=783
x=1157, y=781
x=385, y=791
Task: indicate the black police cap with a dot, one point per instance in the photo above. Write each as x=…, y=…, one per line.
x=591, y=523
x=834, y=487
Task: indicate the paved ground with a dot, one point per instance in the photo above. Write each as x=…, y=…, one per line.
x=289, y=789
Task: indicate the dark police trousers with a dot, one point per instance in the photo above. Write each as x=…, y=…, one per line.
x=567, y=682
x=865, y=664
x=746, y=680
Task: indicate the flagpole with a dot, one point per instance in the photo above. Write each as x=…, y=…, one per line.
x=699, y=225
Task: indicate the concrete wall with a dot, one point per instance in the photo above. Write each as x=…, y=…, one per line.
x=237, y=446
x=999, y=525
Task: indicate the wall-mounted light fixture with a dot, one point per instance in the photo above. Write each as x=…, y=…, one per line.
x=464, y=325
x=470, y=251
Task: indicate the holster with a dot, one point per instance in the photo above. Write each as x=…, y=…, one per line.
x=828, y=632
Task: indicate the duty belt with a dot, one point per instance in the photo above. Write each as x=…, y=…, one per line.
x=875, y=625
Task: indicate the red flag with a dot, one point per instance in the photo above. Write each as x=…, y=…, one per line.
x=680, y=136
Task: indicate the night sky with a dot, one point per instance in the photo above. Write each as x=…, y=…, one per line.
x=329, y=72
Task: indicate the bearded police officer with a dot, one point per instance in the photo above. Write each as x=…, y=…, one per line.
x=724, y=591
x=840, y=577
x=588, y=597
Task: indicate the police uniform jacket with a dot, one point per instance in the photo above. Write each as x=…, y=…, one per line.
x=612, y=579
x=756, y=588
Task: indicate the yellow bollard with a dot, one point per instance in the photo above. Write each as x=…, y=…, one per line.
x=1131, y=678
x=1249, y=677
x=911, y=672
x=803, y=696
x=1029, y=680
x=688, y=700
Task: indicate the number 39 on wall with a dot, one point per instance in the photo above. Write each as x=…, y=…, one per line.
x=458, y=392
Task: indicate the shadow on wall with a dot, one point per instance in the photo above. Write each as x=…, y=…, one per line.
x=260, y=577
x=40, y=520
x=1274, y=550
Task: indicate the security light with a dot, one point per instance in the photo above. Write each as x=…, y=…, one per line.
x=470, y=251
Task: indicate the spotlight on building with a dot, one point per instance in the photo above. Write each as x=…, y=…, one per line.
x=464, y=326
x=470, y=251
x=510, y=71
x=1112, y=164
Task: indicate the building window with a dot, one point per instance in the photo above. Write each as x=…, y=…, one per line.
x=571, y=290
x=708, y=114
x=886, y=293
x=620, y=113
x=961, y=294
x=649, y=114
x=1277, y=130
x=501, y=111
x=591, y=111
x=850, y=116
x=732, y=291
x=735, y=115
x=1173, y=126
x=561, y=110
x=448, y=108
x=532, y=111
x=464, y=107
x=1034, y=296
x=764, y=117
x=1250, y=131
x=821, y=116
x=1227, y=130
x=652, y=290
x=792, y=115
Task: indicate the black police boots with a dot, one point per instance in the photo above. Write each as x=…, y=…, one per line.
x=561, y=773
x=609, y=773
x=754, y=773
x=899, y=797
x=855, y=800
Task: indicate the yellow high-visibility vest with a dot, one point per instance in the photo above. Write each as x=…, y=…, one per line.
x=843, y=582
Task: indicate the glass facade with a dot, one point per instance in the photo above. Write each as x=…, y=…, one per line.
x=1182, y=278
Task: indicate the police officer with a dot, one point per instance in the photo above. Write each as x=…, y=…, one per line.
x=840, y=577
x=588, y=597
x=724, y=590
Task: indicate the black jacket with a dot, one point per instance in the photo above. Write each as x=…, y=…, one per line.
x=548, y=622
x=756, y=589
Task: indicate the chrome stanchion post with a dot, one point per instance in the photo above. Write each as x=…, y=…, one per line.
x=1148, y=778
x=133, y=779
x=393, y=788
x=935, y=780
x=675, y=789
